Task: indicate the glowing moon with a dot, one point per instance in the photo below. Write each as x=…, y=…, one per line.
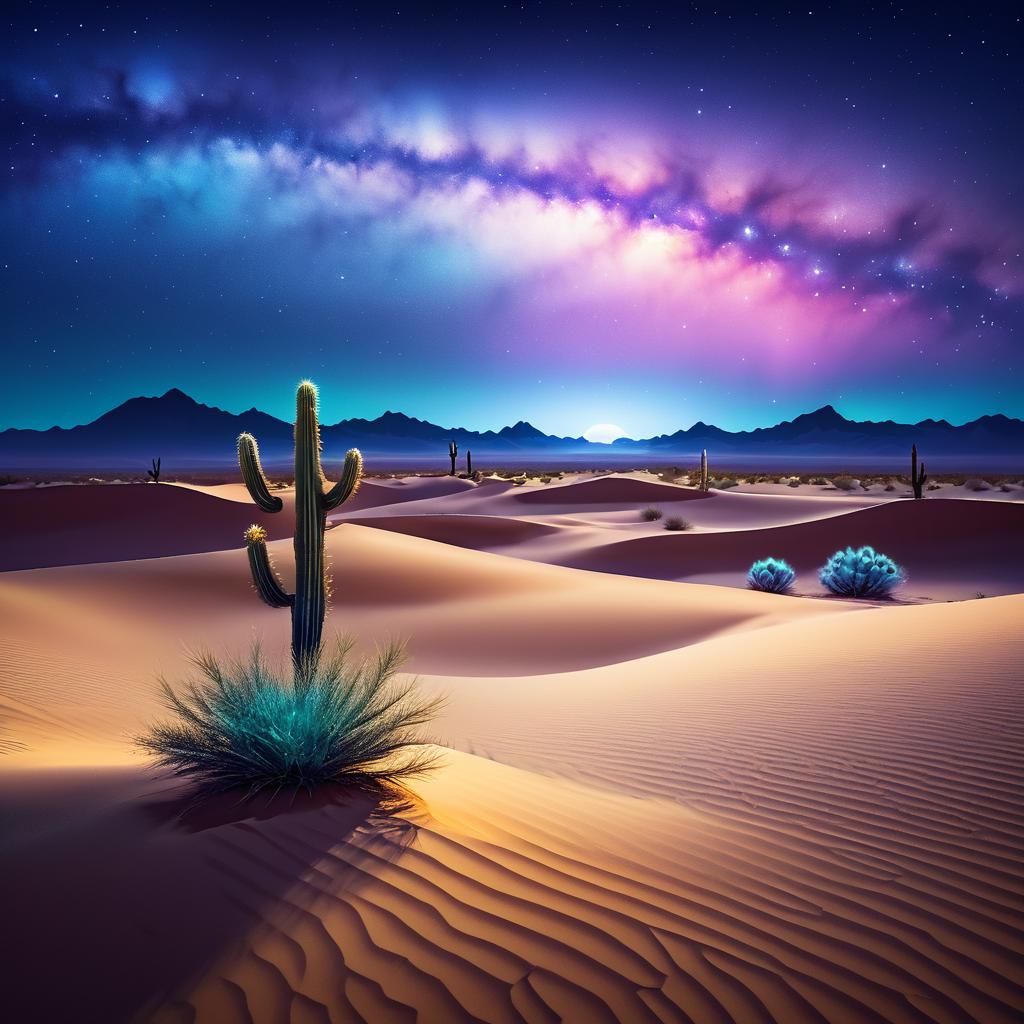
x=604, y=433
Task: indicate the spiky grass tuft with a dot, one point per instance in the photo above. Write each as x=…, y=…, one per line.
x=243, y=726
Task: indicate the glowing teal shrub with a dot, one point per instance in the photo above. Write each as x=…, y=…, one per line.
x=772, y=575
x=861, y=572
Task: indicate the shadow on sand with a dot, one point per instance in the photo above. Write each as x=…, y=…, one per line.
x=122, y=894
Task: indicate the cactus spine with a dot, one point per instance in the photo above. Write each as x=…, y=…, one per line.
x=453, y=451
x=469, y=462
x=312, y=503
x=704, y=469
x=917, y=478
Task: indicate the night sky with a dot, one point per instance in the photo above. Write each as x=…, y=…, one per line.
x=568, y=214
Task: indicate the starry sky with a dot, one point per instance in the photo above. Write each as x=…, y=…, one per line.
x=572, y=214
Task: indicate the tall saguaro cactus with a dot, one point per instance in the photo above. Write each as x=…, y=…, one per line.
x=469, y=462
x=312, y=503
x=917, y=479
x=704, y=469
x=453, y=451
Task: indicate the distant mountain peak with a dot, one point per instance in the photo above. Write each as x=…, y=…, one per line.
x=521, y=431
x=826, y=414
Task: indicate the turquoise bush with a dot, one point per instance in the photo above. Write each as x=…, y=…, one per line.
x=772, y=575
x=246, y=726
x=863, y=572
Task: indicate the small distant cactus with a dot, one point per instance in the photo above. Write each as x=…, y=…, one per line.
x=453, y=451
x=861, y=572
x=154, y=473
x=469, y=462
x=312, y=503
x=917, y=478
x=772, y=575
x=703, y=483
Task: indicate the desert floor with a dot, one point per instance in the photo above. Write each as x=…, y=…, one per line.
x=663, y=797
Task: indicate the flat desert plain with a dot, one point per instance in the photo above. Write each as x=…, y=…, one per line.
x=662, y=797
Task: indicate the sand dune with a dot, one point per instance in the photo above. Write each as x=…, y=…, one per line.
x=613, y=490
x=663, y=801
x=481, y=533
x=716, y=510
x=85, y=643
x=710, y=834
x=77, y=524
x=948, y=547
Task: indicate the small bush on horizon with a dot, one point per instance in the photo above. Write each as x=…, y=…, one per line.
x=651, y=514
x=724, y=483
x=819, y=481
x=772, y=575
x=890, y=486
x=977, y=484
x=795, y=482
x=675, y=523
x=245, y=726
x=845, y=483
x=861, y=572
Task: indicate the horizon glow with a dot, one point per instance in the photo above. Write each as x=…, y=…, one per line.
x=474, y=249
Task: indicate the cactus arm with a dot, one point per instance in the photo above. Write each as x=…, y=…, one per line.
x=347, y=485
x=263, y=576
x=310, y=522
x=253, y=475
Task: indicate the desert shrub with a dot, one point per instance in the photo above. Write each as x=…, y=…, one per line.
x=861, y=572
x=934, y=487
x=519, y=481
x=676, y=523
x=795, y=482
x=545, y=479
x=247, y=726
x=890, y=486
x=651, y=514
x=772, y=575
x=819, y=481
x=723, y=483
x=1005, y=488
x=845, y=483
x=977, y=484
